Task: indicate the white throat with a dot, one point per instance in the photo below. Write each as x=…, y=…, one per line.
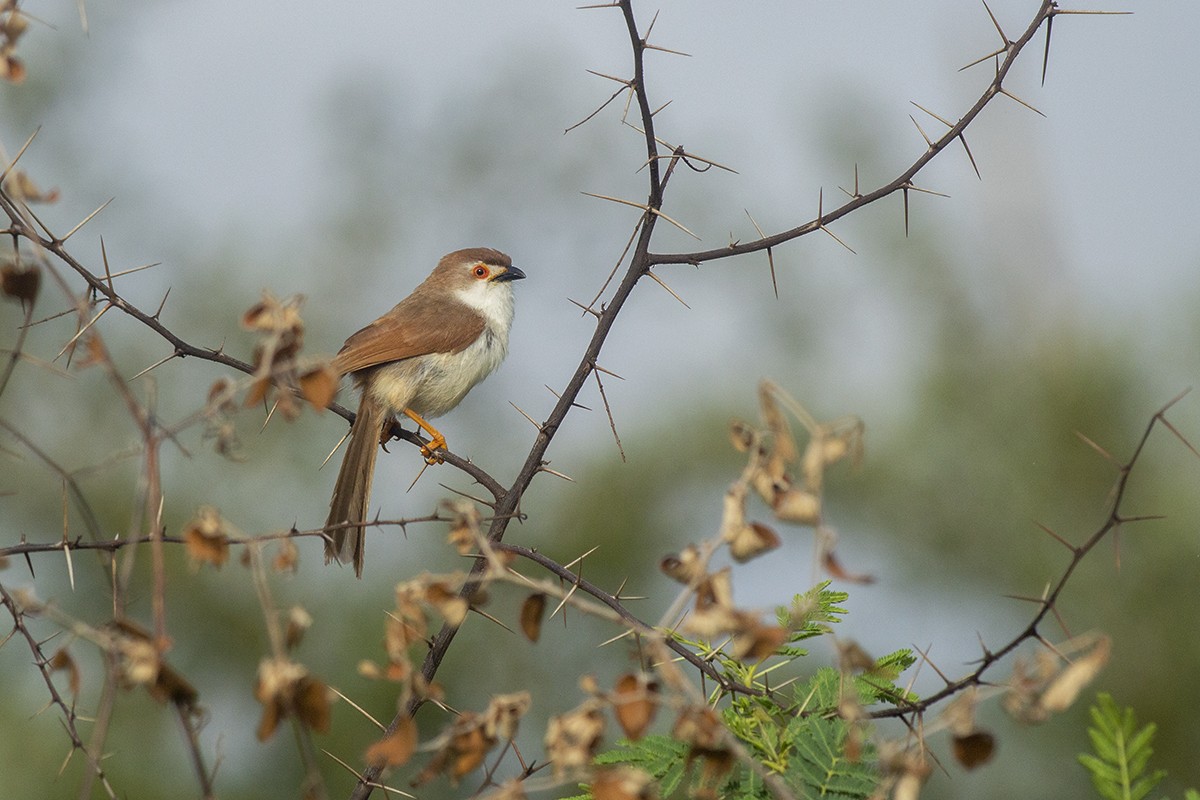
x=494, y=301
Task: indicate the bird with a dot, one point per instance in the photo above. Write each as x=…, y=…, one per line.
x=419, y=359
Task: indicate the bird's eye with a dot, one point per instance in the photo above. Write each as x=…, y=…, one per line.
x=481, y=271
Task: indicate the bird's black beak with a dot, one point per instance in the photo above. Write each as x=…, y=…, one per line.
x=509, y=274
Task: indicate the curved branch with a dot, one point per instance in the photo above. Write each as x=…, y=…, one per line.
x=635, y=623
x=902, y=182
x=1078, y=553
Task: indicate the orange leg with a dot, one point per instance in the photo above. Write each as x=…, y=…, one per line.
x=436, y=440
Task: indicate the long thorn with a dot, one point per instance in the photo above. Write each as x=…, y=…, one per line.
x=1046, y=55
x=1007, y=93
x=663, y=284
x=86, y=219
x=20, y=153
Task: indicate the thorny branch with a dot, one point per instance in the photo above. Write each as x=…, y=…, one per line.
x=614, y=603
x=1047, y=603
x=903, y=182
x=68, y=711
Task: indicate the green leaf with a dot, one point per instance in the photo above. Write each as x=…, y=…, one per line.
x=820, y=764
x=814, y=612
x=1122, y=752
x=660, y=756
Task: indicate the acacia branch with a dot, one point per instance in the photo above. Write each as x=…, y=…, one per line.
x=634, y=622
x=901, y=183
x=68, y=711
x=1047, y=604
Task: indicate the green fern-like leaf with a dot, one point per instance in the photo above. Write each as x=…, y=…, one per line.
x=660, y=756
x=813, y=613
x=1122, y=752
x=819, y=693
x=819, y=764
x=879, y=685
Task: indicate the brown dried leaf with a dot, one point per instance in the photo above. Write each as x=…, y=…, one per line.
x=635, y=702
x=733, y=516
x=768, y=484
x=18, y=184
x=852, y=658
x=20, y=283
x=395, y=749
x=573, y=738
x=285, y=688
x=313, y=706
x=206, y=538
x=468, y=751
x=369, y=670
x=61, y=660
x=812, y=466
x=258, y=392
x=464, y=747
x=783, y=446
x=974, y=749
x=908, y=785
x=298, y=622
x=319, y=386
x=287, y=557
x=742, y=436
x=171, y=687
x=756, y=642
x=830, y=443
x=11, y=69
x=503, y=713
x=271, y=716
x=93, y=346
x=276, y=682
x=403, y=627
x=797, y=505
x=700, y=728
x=687, y=567
x=711, y=622
x=464, y=525
x=532, y=611
x=834, y=567
x=448, y=603
x=752, y=541
x=137, y=660
x=1065, y=688
x=272, y=315
x=13, y=25
x=716, y=590
x=623, y=783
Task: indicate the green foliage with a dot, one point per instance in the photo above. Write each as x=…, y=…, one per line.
x=811, y=614
x=661, y=756
x=820, y=766
x=1122, y=751
x=805, y=744
x=797, y=733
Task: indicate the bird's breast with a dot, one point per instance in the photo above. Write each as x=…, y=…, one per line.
x=443, y=379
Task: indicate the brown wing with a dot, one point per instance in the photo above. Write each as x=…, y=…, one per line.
x=415, y=327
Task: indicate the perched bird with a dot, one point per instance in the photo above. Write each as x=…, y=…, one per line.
x=420, y=359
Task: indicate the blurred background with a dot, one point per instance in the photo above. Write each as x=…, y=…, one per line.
x=336, y=153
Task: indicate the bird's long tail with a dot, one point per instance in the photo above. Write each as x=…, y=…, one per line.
x=352, y=492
